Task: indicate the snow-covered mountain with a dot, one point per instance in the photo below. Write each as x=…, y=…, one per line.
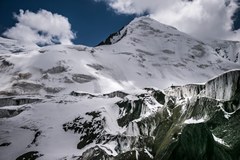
x=79, y=102
x=145, y=53
x=227, y=49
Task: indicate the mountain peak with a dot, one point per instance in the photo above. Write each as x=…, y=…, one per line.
x=146, y=20
x=144, y=26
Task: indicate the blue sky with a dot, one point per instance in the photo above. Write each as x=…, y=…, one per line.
x=92, y=22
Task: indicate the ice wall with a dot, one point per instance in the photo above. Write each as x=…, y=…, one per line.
x=188, y=90
x=225, y=86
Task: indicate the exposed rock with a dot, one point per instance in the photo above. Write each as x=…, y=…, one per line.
x=119, y=94
x=82, y=94
x=189, y=90
x=95, y=153
x=97, y=67
x=24, y=76
x=134, y=155
x=23, y=87
x=45, y=76
x=168, y=51
x=173, y=138
x=82, y=78
x=7, y=113
x=228, y=130
x=185, y=126
x=6, y=63
x=130, y=110
x=5, y=144
x=203, y=66
x=12, y=101
x=147, y=126
x=53, y=89
x=56, y=70
x=114, y=37
x=195, y=142
x=159, y=96
x=8, y=93
x=199, y=50
x=125, y=53
x=227, y=49
x=67, y=80
x=92, y=129
x=145, y=52
x=32, y=155
x=201, y=107
x=42, y=51
x=36, y=136
x=89, y=130
x=171, y=102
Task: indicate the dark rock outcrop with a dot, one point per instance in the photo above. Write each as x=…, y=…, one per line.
x=189, y=90
x=119, y=94
x=32, y=155
x=95, y=153
x=7, y=113
x=82, y=94
x=56, y=70
x=23, y=87
x=157, y=94
x=130, y=110
x=114, y=37
x=12, y=101
x=5, y=144
x=195, y=142
x=89, y=130
x=82, y=78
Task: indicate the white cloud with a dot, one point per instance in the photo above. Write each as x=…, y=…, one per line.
x=200, y=18
x=42, y=28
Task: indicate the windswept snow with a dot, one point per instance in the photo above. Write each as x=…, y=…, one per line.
x=150, y=54
x=144, y=54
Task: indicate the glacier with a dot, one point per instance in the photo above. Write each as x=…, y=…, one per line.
x=147, y=92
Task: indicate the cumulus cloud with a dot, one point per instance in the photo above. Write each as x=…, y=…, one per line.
x=200, y=18
x=41, y=28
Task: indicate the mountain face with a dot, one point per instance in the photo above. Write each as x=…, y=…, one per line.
x=148, y=91
x=226, y=49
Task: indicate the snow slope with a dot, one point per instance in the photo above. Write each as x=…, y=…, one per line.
x=227, y=49
x=148, y=54
x=144, y=53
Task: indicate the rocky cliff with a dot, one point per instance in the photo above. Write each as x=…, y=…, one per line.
x=190, y=124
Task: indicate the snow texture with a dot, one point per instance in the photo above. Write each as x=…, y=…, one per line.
x=69, y=81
